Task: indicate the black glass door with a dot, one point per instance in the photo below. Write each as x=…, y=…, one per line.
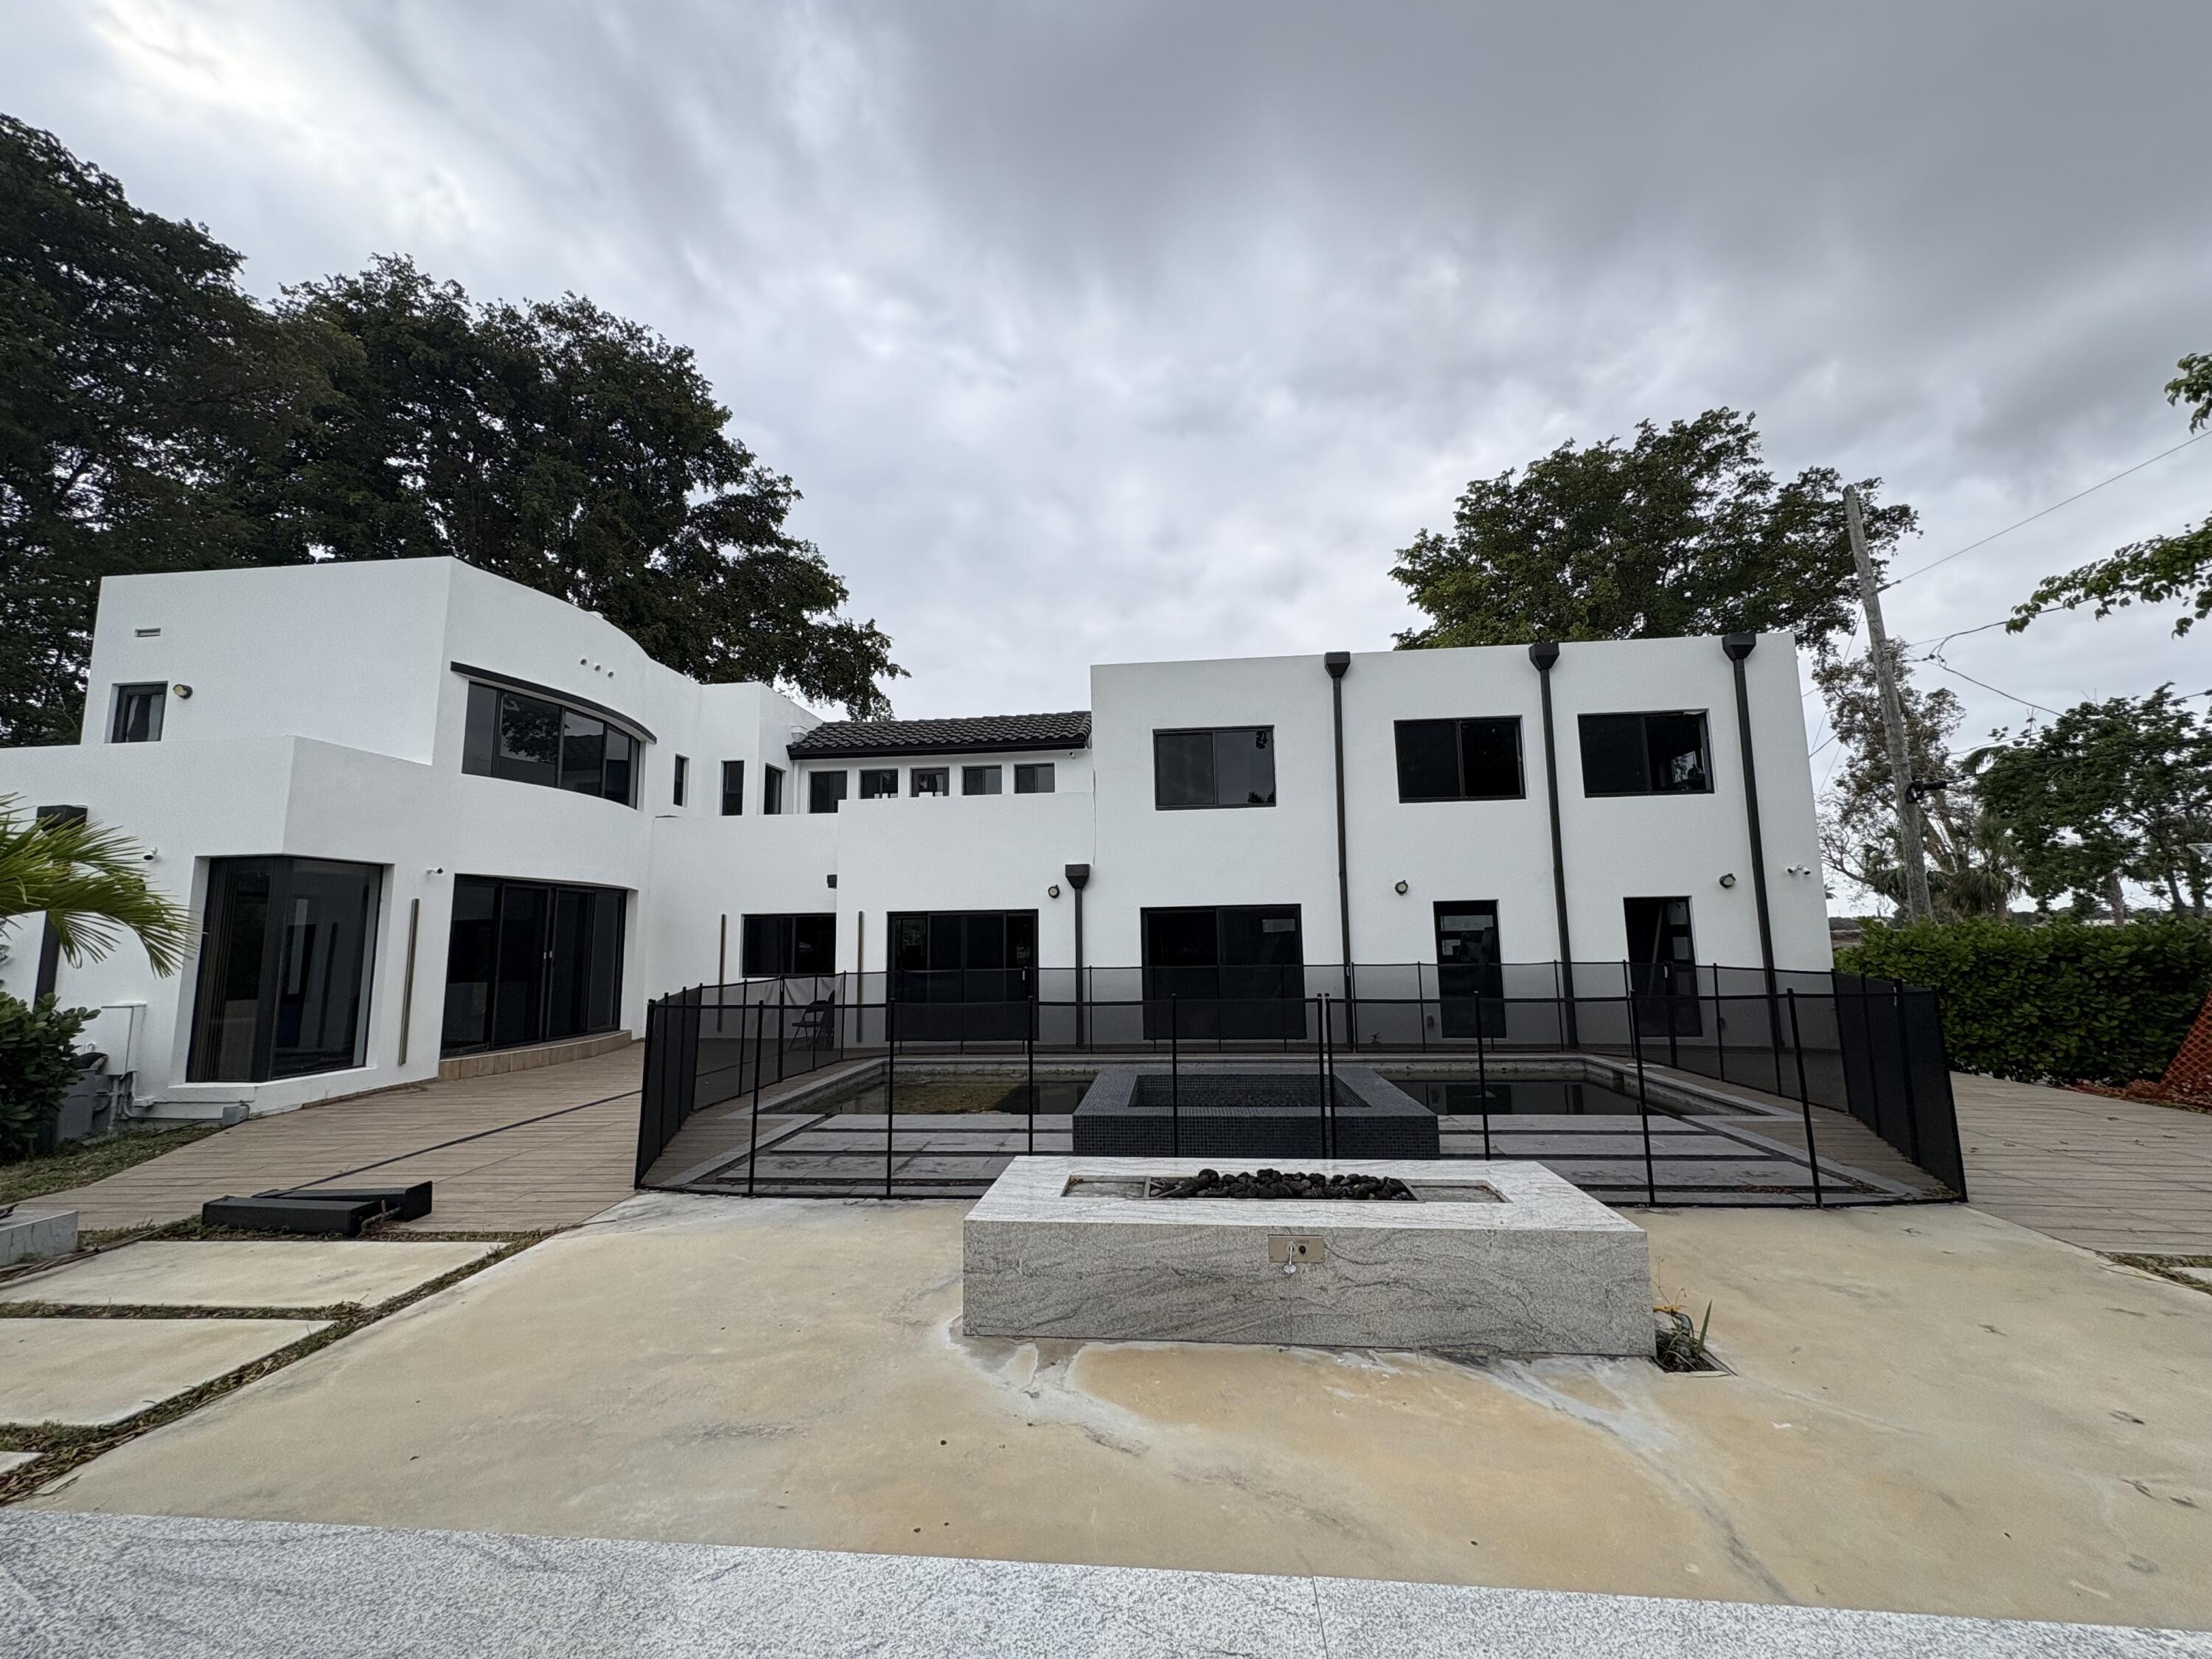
x=1226, y=971
x=529, y=962
x=963, y=974
x=1470, y=982
x=1663, y=967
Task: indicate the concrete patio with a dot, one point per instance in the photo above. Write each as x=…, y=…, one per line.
x=1932, y=1410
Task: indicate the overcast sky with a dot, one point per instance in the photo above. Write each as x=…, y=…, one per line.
x=1097, y=331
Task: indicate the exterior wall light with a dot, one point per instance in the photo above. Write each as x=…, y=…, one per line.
x=1728, y=880
x=1402, y=888
x=1053, y=891
x=181, y=691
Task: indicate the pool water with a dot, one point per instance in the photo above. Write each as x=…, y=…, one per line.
x=1466, y=1097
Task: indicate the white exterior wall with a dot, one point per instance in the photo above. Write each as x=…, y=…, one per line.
x=326, y=722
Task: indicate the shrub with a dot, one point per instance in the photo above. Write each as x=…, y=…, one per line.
x=2057, y=1003
x=38, y=1064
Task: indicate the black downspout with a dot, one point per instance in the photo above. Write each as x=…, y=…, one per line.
x=1544, y=653
x=1337, y=662
x=1079, y=877
x=1738, y=647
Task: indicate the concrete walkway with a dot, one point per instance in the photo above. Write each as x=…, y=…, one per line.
x=1930, y=1411
x=552, y=1174
x=2117, y=1175
x=81, y=1586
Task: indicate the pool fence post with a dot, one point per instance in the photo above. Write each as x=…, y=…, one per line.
x=1175, y=1073
x=752, y=1147
x=1643, y=1103
x=890, y=1079
x=1805, y=1100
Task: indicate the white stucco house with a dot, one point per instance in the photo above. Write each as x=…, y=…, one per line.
x=421, y=812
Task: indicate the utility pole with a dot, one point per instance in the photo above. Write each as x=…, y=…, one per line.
x=1917, y=904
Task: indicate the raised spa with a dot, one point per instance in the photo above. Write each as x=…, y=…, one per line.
x=1498, y=1258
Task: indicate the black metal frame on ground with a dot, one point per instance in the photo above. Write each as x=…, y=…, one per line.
x=1823, y=1043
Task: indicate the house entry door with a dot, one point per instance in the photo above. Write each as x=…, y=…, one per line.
x=1470, y=982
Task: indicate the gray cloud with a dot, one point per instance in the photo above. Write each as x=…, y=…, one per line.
x=1108, y=331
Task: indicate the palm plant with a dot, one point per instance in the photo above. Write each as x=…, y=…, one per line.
x=90, y=882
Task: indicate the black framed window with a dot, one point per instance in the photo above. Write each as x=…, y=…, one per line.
x=771, y=790
x=531, y=961
x=1661, y=753
x=778, y=945
x=930, y=780
x=962, y=956
x=1459, y=760
x=285, y=965
x=733, y=789
x=1228, y=766
x=825, y=790
x=138, y=710
x=527, y=739
x=981, y=780
x=682, y=779
x=878, y=782
x=1232, y=970
x=1033, y=778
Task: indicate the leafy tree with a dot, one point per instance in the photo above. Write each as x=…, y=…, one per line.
x=1680, y=531
x=2178, y=567
x=89, y=883
x=145, y=403
x=579, y=454
x=2107, y=791
x=1972, y=868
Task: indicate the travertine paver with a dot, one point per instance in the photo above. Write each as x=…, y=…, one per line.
x=102, y=1371
x=246, y=1273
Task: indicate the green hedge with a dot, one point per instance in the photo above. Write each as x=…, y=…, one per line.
x=2060, y=1002
x=38, y=1064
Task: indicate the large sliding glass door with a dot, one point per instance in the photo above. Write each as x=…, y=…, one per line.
x=529, y=962
x=963, y=974
x=285, y=960
x=1233, y=971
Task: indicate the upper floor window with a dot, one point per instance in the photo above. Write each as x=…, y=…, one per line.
x=930, y=780
x=771, y=790
x=1033, y=778
x=682, y=779
x=981, y=780
x=876, y=783
x=825, y=790
x=1459, y=760
x=138, y=712
x=733, y=789
x=1652, y=754
x=527, y=739
x=1232, y=766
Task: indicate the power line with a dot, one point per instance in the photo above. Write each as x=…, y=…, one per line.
x=1938, y=662
x=1921, y=570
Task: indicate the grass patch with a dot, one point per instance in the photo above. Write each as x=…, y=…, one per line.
x=86, y=1162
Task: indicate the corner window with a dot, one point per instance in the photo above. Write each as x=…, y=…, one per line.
x=789, y=945
x=772, y=790
x=527, y=739
x=1652, y=754
x=980, y=779
x=284, y=969
x=1233, y=766
x=930, y=780
x=733, y=789
x=1459, y=760
x=683, y=779
x=1033, y=778
x=878, y=782
x=137, y=717
x=825, y=790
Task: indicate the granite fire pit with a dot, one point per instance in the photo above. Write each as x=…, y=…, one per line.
x=1495, y=1258
x=1143, y=1110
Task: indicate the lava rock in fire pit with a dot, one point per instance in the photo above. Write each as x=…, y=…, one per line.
x=1275, y=1183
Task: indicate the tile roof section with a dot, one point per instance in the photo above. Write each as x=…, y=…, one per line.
x=986, y=735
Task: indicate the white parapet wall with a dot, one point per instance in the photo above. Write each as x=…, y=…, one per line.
x=1494, y=1258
